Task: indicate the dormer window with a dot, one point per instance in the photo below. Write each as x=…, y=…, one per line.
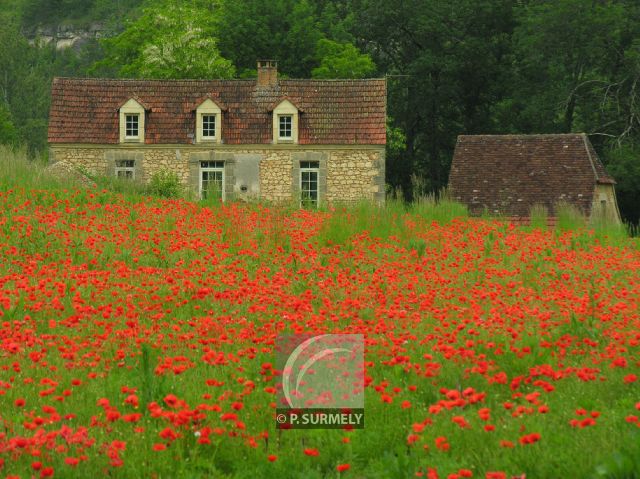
x=209, y=122
x=209, y=126
x=132, y=120
x=285, y=129
x=131, y=124
x=285, y=122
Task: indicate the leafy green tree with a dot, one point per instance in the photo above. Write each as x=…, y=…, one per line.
x=8, y=132
x=564, y=51
x=168, y=41
x=284, y=30
x=24, y=86
x=341, y=60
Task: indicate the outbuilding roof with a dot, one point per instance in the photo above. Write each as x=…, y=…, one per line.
x=341, y=112
x=508, y=174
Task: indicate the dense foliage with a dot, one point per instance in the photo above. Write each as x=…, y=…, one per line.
x=453, y=66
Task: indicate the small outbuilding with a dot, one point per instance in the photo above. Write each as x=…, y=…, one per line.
x=506, y=175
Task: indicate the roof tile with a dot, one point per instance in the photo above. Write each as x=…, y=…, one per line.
x=507, y=174
x=333, y=111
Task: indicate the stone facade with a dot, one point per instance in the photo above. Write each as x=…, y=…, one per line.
x=267, y=173
x=355, y=175
x=275, y=176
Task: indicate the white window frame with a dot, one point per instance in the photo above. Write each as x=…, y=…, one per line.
x=285, y=108
x=125, y=166
x=208, y=108
x=135, y=117
x=209, y=126
x=208, y=167
x=281, y=130
x=309, y=167
x=132, y=108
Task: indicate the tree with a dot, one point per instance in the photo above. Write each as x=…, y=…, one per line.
x=25, y=79
x=8, y=132
x=284, y=30
x=341, y=60
x=565, y=52
x=168, y=41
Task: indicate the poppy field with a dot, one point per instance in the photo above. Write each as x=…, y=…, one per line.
x=137, y=340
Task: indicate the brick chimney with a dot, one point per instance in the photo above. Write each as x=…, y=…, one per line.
x=267, y=73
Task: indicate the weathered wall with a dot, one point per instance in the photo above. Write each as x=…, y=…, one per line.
x=275, y=176
x=346, y=175
x=353, y=175
x=605, y=207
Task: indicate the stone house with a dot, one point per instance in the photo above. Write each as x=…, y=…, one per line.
x=280, y=140
x=506, y=175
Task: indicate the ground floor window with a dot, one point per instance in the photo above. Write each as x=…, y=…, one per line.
x=125, y=169
x=212, y=180
x=309, y=173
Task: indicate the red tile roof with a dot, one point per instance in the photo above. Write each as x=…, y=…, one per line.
x=349, y=112
x=508, y=174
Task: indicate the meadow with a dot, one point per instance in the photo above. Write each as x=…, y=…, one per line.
x=137, y=337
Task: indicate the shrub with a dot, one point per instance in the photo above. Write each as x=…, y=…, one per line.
x=166, y=184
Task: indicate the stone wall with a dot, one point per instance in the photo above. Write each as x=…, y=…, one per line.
x=355, y=175
x=275, y=176
x=90, y=160
x=346, y=175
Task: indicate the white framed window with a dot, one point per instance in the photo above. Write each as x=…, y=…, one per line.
x=212, y=180
x=132, y=121
x=309, y=184
x=285, y=127
x=125, y=169
x=208, y=126
x=285, y=122
x=208, y=122
x=132, y=124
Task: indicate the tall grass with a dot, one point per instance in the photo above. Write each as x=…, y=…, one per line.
x=569, y=217
x=388, y=220
x=538, y=216
x=438, y=207
x=18, y=169
x=348, y=220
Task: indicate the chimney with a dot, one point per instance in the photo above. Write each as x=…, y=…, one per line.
x=267, y=73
